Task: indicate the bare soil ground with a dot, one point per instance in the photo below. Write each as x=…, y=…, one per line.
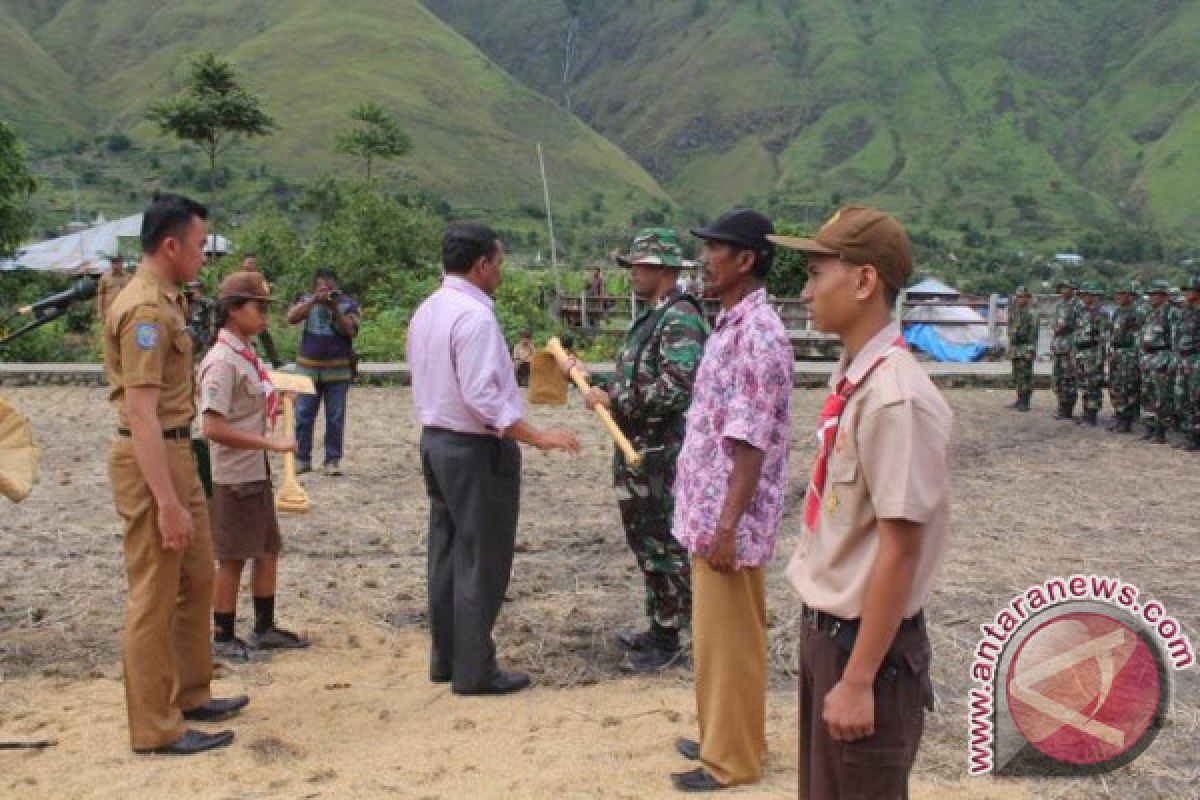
x=355, y=716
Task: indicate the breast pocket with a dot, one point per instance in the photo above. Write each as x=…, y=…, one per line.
x=841, y=491
x=178, y=366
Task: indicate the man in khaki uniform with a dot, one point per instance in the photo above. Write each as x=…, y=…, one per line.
x=110, y=286
x=157, y=492
x=876, y=519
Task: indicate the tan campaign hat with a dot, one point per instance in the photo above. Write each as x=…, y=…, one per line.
x=245, y=286
x=861, y=236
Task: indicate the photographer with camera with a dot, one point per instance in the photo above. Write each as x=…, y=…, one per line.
x=330, y=321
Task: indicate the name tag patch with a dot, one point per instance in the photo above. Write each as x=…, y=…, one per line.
x=146, y=335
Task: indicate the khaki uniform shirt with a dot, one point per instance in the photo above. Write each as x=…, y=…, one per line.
x=230, y=386
x=109, y=287
x=146, y=345
x=889, y=461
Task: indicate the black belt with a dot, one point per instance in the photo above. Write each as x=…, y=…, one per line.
x=822, y=621
x=175, y=434
x=1152, y=349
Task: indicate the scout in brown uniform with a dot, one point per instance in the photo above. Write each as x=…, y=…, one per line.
x=237, y=400
x=168, y=552
x=876, y=522
x=110, y=286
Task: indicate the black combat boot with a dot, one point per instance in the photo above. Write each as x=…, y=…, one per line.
x=1160, y=434
x=1092, y=417
x=1148, y=434
x=1193, y=442
x=1023, y=401
x=1065, y=410
x=662, y=652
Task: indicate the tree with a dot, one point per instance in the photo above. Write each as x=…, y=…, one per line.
x=212, y=111
x=379, y=136
x=16, y=185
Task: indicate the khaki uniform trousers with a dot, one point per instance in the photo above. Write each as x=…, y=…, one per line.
x=729, y=642
x=165, y=646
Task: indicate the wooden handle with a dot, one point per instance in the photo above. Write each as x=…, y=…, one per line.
x=632, y=457
x=289, y=426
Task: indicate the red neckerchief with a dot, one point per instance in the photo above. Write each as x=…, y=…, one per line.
x=831, y=418
x=248, y=353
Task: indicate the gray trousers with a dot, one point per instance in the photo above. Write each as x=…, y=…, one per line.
x=474, y=487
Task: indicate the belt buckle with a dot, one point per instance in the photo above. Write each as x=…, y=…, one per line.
x=811, y=617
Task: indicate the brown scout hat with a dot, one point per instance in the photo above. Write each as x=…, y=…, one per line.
x=862, y=236
x=244, y=285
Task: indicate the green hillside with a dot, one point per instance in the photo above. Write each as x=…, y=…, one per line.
x=473, y=125
x=1033, y=120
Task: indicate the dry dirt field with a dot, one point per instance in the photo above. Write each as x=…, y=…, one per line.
x=355, y=717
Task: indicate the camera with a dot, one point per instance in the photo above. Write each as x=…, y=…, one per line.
x=335, y=295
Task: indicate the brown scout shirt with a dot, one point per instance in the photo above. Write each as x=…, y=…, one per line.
x=230, y=386
x=890, y=461
x=146, y=345
x=110, y=286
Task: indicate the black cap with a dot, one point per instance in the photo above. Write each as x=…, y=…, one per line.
x=741, y=227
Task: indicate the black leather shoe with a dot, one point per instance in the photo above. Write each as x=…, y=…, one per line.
x=688, y=748
x=698, y=780
x=217, y=709
x=193, y=742
x=501, y=683
x=653, y=659
x=633, y=639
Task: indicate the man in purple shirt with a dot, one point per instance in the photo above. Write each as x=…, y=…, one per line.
x=467, y=401
x=729, y=496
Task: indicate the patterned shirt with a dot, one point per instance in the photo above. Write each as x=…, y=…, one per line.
x=743, y=392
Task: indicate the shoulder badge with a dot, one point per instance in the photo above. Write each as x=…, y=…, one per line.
x=146, y=334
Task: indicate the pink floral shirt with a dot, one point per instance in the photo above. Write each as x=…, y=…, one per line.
x=743, y=392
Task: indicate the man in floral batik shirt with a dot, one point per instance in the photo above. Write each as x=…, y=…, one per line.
x=729, y=493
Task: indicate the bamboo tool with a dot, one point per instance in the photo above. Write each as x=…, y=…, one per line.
x=632, y=457
x=291, y=497
x=547, y=384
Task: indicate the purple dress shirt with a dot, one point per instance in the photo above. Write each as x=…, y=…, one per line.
x=462, y=375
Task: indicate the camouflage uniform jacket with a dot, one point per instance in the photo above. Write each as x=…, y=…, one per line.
x=1156, y=331
x=1066, y=319
x=1126, y=329
x=1091, y=329
x=1186, y=332
x=651, y=388
x=1022, y=334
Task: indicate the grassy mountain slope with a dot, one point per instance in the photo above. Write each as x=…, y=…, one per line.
x=35, y=92
x=473, y=125
x=1036, y=119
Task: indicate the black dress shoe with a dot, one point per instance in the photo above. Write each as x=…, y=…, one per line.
x=193, y=742
x=698, y=780
x=633, y=639
x=217, y=709
x=501, y=682
x=651, y=660
x=440, y=677
x=688, y=748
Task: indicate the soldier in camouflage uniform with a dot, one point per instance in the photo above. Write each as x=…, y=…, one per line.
x=649, y=397
x=1022, y=345
x=1091, y=336
x=1186, y=341
x=1157, y=372
x=1124, y=368
x=1066, y=314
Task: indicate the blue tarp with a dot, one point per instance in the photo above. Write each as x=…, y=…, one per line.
x=927, y=339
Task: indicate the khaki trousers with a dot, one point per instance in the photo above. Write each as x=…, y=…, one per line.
x=165, y=646
x=729, y=642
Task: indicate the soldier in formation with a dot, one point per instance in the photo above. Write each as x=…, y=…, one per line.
x=1022, y=340
x=1186, y=352
x=1124, y=362
x=1066, y=315
x=1156, y=366
x=1087, y=351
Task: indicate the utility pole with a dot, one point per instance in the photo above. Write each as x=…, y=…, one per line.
x=558, y=288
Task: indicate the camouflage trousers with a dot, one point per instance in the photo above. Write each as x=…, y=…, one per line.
x=1158, y=389
x=1064, y=379
x=1187, y=393
x=1089, y=377
x=1125, y=384
x=647, y=511
x=1022, y=370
